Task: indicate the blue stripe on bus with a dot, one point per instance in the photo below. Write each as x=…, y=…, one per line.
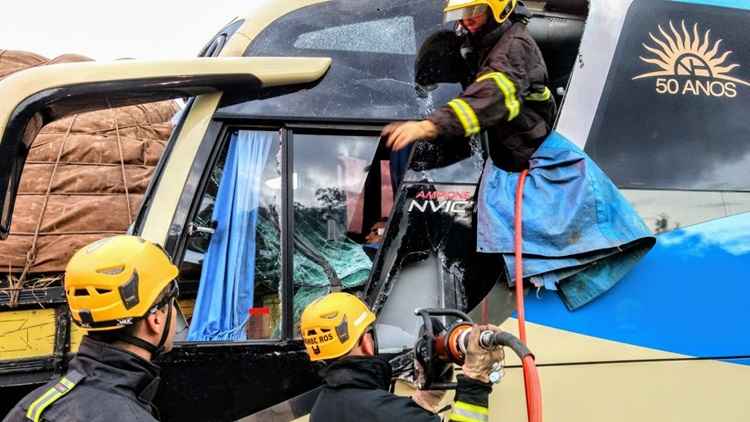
x=688, y=296
x=737, y=4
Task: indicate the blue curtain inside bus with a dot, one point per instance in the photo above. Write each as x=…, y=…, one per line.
x=225, y=293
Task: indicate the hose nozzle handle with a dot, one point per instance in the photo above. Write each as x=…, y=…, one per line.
x=489, y=340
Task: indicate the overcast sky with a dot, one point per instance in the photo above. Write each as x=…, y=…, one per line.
x=106, y=30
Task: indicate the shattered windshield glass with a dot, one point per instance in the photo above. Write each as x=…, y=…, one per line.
x=374, y=47
x=339, y=195
x=386, y=36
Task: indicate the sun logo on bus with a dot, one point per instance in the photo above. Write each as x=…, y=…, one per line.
x=695, y=63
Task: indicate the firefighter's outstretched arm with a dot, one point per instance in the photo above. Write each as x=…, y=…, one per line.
x=496, y=95
x=402, y=134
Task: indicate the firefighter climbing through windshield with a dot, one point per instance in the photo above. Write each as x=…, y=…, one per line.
x=505, y=91
x=506, y=96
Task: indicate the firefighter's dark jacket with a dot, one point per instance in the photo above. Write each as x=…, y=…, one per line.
x=356, y=390
x=115, y=386
x=506, y=93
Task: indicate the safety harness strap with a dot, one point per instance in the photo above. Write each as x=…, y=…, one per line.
x=63, y=387
x=465, y=412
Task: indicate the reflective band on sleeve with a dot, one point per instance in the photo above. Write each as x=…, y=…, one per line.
x=67, y=383
x=63, y=387
x=508, y=89
x=540, y=96
x=466, y=116
x=37, y=406
x=465, y=412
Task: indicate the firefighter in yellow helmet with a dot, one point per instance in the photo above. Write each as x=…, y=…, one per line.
x=122, y=291
x=339, y=329
x=505, y=87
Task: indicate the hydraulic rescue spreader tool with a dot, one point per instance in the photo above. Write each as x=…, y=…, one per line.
x=438, y=347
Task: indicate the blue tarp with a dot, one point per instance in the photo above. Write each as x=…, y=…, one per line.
x=225, y=293
x=581, y=236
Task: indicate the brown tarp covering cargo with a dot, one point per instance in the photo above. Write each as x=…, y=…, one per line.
x=84, y=178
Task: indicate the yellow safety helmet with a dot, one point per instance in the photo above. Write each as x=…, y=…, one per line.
x=113, y=281
x=463, y=9
x=332, y=325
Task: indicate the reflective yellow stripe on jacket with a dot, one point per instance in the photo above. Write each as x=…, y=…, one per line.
x=508, y=88
x=466, y=116
x=465, y=412
x=63, y=387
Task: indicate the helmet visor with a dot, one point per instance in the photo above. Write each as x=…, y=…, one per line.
x=465, y=13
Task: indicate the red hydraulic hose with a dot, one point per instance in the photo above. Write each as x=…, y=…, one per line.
x=530, y=373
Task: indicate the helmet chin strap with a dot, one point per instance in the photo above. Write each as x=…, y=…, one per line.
x=375, y=345
x=165, y=333
x=155, y=351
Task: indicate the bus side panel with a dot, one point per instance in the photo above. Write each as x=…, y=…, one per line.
x=686, y=391
x=686, y=297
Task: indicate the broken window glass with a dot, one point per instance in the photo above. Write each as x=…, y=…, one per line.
x=373, y=44
x=342, y=198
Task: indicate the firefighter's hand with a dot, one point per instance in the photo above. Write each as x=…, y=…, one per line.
x=479, y=361
x=429, y=400
x=402, y=134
